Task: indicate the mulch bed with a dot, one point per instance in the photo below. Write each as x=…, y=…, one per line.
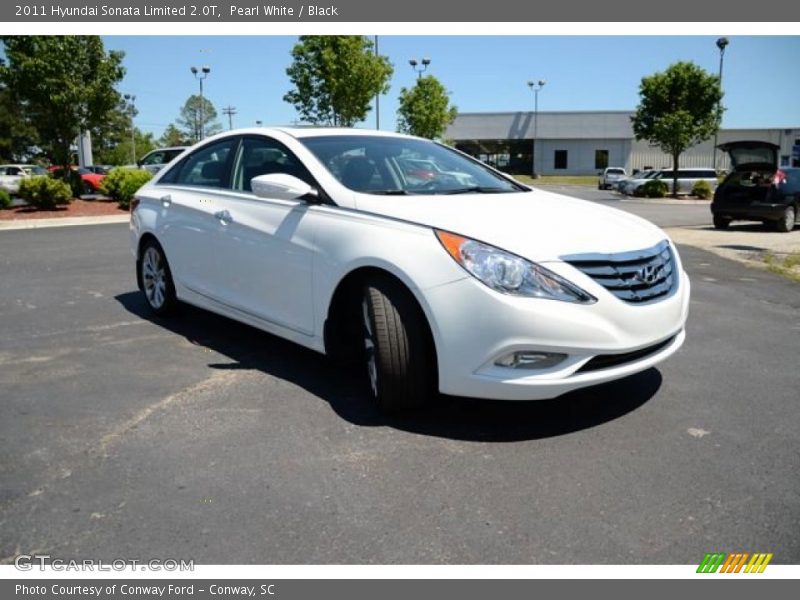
x=77, y=208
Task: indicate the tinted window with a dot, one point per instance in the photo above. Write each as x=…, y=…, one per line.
x=262, y=156
x=208, y=166
x=156, y=158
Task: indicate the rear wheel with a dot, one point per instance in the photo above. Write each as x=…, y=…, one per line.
x=721, y=222
x=87, y=189
x=156, y=278
x=397, y=352
x=786, y=222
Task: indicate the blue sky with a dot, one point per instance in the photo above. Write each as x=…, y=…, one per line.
x=482, y=73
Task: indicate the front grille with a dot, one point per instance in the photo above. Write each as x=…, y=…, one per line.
x=606, y=361
x=635, y=277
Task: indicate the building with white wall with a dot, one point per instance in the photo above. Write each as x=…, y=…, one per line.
x=585, y=142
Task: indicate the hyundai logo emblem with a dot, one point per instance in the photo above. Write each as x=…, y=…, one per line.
x=649, y=274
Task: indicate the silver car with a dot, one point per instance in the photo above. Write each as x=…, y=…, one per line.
x=610, y=176
x=156, y=159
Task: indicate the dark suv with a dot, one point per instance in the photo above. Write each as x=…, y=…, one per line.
x=756, y=189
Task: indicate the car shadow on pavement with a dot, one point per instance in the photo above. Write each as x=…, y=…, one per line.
x=345, y=389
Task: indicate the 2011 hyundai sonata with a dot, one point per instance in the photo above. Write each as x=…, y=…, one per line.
x=466, y=282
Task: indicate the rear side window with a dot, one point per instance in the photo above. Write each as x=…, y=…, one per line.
x=209, y=166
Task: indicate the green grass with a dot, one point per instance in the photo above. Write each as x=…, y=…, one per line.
x=788, y=267
x=588, y=180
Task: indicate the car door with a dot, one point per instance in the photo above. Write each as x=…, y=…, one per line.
x=265, y=245
x=189, y=198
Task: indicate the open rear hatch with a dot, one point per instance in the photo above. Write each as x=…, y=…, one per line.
x=752, y=155
x=753, y=166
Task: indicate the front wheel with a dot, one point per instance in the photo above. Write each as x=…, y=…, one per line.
x=156, y=279
x=397, y=351
x=786, y=223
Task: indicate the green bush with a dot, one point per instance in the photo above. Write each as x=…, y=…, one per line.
x=121, y=184
x=702, y=189
x=653, y=188
x=43, y=191
x=5, y=199
x=73, y=180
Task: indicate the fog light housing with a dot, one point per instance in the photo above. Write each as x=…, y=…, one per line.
x=530, y=359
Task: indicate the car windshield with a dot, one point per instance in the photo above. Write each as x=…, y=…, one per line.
x=398, y=166
x=615, y=172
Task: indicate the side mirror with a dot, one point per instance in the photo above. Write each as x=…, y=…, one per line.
x=279, y=186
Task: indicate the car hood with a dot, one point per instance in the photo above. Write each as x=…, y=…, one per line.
x=746, y=154
x=541, y=226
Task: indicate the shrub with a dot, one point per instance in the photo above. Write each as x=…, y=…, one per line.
x=5, y=199
x=121, y=184
x=653, y=188
x=702, y=189
x=73, y=180
x=45, y=192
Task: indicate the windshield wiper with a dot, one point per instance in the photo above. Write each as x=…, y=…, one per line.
x=477, y=189
x=389, y=192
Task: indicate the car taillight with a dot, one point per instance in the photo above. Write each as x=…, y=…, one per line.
x=779, y=178
x=134, y=203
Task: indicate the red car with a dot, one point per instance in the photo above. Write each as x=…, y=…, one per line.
x=91, y=181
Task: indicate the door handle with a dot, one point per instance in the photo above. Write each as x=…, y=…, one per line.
x=166, y=200
x=224, y=216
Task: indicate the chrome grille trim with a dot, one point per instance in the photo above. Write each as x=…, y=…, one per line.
x=637, y=277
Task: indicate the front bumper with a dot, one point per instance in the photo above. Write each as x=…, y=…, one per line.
x=475, y=326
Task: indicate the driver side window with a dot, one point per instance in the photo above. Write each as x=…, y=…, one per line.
x=263, y=156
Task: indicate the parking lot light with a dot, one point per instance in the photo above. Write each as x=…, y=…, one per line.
x=130, y=105
x=536, y=86
x=722, y=43
x=200, y=73
x=421, y=66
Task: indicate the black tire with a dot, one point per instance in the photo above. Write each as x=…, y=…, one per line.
x=155, y=279
x=721, y=222
x=87, y=189
x=786, y=223
x=397, y=350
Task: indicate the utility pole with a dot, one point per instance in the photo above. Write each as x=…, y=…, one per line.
x=230, y=111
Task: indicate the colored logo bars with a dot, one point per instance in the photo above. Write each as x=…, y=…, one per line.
x=734, y=563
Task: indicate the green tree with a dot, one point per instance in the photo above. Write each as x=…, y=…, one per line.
x=18, y=138
x=425, y=109
x=64, y=85
x=335, y=78
x=173, y=136
x=195, y=111
x=121, y=153
x=678, y=109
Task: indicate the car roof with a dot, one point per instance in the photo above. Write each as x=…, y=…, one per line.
x=306, y=132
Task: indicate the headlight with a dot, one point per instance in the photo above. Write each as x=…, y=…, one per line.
x=508, y=273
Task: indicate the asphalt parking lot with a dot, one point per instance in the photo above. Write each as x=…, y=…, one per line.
x=125, y=436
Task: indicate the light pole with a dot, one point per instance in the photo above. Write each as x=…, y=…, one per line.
x=721, y=44
x=423, y=65
x=200, y=73
x=536, y=86
x=130, y=101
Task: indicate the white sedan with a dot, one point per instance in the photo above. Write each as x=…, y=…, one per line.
x=491, y=290
x=12, y=175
